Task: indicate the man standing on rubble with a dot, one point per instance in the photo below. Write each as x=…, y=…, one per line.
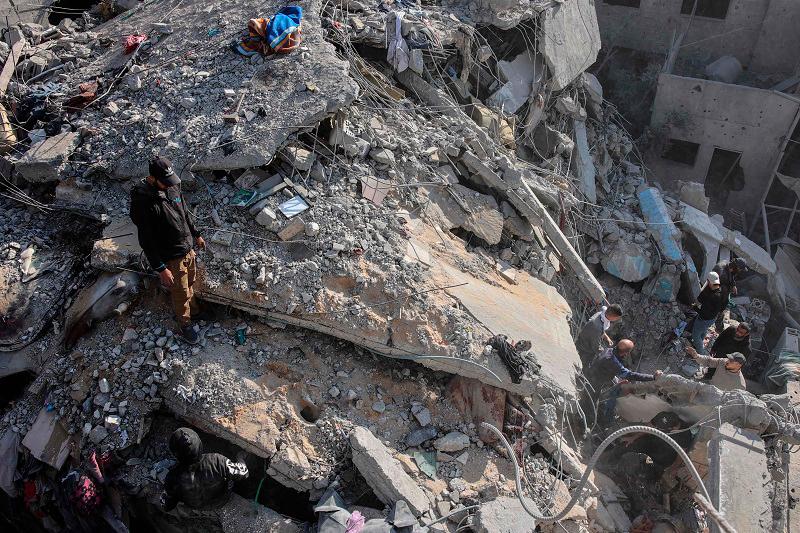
x=729, y=370
x=200, y=480
x=710, y=305
x=728, y=271
x=595, y=331
x=165, y=234
x=732, y=339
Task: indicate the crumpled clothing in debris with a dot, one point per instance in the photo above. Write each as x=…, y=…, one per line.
x=335, y=518
x=355, y=523
x=281, y=33
x=132, y=42
x=512, y=355
x=398, y=52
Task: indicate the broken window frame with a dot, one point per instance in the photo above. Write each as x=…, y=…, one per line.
x=669, y=144
x=704, y=7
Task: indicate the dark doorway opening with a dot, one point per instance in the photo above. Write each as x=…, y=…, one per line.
x=724, y=175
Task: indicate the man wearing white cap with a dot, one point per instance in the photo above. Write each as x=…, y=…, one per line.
x=710, y=304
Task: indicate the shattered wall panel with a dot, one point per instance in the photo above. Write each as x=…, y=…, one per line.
x=570, y=40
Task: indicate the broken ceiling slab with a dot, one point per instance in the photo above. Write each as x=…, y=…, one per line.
x=457, y=206
x=705, y=231
x=570, y=40
x=739, y=493
x=757, y=258
x=510, y=310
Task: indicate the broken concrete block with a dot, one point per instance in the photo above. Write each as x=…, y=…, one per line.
x=489, y=176
x=660, y=224
x=726, y=69
x=740, y=494
x=382, y=156
x=504, y=515
x=267, y=217
x=298, y=157
x=698, y=224
x=45, y=160
x=693, y=193
x=470, y=210
x=627, y=261
x=569, y=107
x=291, y=230
x=384, y=474
x=570, y=40
x=292, y=468
x=454, y=441
x=508, y=272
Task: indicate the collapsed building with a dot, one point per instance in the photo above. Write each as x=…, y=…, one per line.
x=379, y=206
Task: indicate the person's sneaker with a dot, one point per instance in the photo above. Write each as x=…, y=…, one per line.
x=190, y=334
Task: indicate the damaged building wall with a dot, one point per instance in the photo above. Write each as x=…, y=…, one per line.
x=718, y=122
x=761, y=34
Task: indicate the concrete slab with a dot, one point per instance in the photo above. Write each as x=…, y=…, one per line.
x=529, y=310
x=504, y=515
x=660, y=224
x=584, y=163
x=45, y=160
x=118, y=247
x=758, y=259
x=737, y=478
x=570, y=40
x=707, y=233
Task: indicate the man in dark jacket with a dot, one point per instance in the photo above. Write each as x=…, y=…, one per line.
x=594, y=332
x=728, y=272
x=710, y=302
x=199, y=480
x=732, y=339
x=607, y=366
x=165, y=234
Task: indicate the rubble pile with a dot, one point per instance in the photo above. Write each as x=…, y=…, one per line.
x=380, y=206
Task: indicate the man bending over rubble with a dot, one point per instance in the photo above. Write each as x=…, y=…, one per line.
x=199, y=480
x=594, y=331
x=165, y=235
x=729, y=370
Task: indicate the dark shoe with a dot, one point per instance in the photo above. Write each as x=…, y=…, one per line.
x=190, y=335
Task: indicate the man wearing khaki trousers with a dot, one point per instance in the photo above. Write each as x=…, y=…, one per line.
x=167, y=234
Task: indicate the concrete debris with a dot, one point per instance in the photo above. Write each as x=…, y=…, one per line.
x=46, y=160
x=384, y=474
x=376, y=206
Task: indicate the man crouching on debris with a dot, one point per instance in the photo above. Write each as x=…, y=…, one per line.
x=199, y=480
x=165, y=235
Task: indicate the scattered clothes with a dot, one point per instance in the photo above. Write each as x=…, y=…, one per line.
x=511, y=354
x=132, y=42
x=279, y=34
x=398, y=54
x=88, y=92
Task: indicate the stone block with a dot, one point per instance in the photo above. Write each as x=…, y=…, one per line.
x=384, y=474
x=570, y=40
x=45, y=160
x=291, y=230
x=627, y=261
x=504, y=515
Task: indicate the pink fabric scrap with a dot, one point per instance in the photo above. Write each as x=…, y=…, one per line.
x=355, y=523
x=132, y=42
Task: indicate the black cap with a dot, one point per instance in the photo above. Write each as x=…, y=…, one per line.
x=185, y=445
x=737, y=357
x=740, y=263
x=161, y=170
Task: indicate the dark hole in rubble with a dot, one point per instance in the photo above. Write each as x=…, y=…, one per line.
x=68, y=9
x=12, y=387
x=8, y=326
x=310, y=412
x=470, y=238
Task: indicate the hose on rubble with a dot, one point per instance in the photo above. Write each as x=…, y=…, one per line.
x=576, y=493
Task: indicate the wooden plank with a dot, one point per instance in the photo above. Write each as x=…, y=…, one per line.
x=11, y=65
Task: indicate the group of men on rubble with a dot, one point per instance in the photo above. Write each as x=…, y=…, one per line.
x=604, y=362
